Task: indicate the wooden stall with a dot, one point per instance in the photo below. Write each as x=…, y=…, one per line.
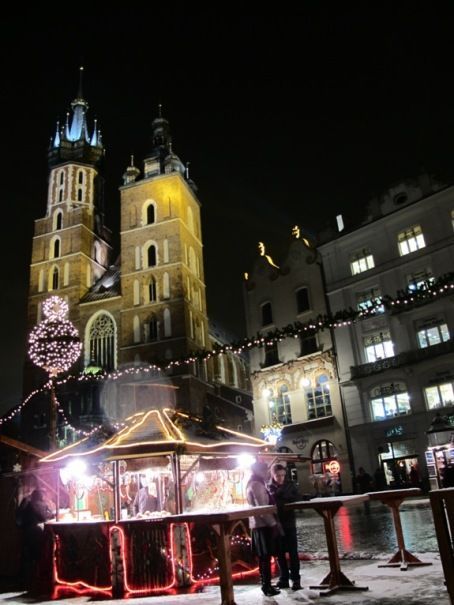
x=119, y=529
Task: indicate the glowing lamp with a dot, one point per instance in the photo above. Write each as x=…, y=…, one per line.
x=245, y=461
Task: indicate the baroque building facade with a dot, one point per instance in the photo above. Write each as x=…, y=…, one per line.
x=396, y=364
x=145, y=306
x=294, y=382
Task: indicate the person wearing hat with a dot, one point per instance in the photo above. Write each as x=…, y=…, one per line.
x=265, y=529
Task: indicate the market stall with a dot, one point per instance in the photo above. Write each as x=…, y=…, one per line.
x=127, y=491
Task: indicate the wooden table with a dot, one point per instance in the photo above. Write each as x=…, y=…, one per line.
x=394, y=498
x=226, y=522
x=327, y=509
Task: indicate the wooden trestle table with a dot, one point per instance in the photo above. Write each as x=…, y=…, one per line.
x=394, y=498
x=224, y=523
x=327, y=509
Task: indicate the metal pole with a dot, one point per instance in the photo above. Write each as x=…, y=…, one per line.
x=53, y=416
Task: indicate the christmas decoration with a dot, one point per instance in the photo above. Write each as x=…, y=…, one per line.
x=54, y=343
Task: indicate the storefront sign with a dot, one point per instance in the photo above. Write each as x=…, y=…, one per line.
x=395, y=431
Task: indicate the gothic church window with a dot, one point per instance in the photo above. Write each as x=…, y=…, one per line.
x=101, y=350
x=58, y=220
x=79, y=194
x=56, y=248
x=150, y=214
x=151, y=256
x=153, y=332
x=54, y=279
x=152, y=290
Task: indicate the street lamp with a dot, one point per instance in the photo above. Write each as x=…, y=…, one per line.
x=54, y=346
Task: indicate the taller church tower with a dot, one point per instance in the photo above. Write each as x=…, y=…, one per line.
x=164, y=312
x=70, y=249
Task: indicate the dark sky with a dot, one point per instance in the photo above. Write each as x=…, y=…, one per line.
x=285, y=119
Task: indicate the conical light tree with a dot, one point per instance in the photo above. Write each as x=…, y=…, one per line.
x=54, y=346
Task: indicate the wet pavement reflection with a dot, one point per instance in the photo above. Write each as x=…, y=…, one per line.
x=361, y=532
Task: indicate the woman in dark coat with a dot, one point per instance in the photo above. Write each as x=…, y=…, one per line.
x=265, y=528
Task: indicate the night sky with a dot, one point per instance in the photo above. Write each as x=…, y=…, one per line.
x=284, y=119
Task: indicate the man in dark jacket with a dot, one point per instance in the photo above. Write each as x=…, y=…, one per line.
x=284, y=491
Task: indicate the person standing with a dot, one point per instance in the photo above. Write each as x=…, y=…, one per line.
x=146, y=500
x=32, y=513
x=284, y=491
x=265, y=529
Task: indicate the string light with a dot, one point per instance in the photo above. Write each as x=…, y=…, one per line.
x=54, y=343
x=443, y=286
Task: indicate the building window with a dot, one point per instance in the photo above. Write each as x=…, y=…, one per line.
x=150, y=214
x=267, y=314
x=136, y=328
x=439, y=395
x=166, y=286
x=318, y=399
x=81, y=177
x=362, y=261
x=378, y=346
x=167, y=323
x=58, y=220
x=308, y=345
x=62, y=178
x=420, y=280
x=60, y=195
x=56, y=248
x=153, y=328
x=152, y=290
x=432, y=334
x=279, y=406
x=410, y=240
x=55, y=279
x=271, y=355
x=79, y=195
x=302, y=300
x=368, y=299
x=389, y=400
x=322, y=453
x=102, y=342
x=151, y=256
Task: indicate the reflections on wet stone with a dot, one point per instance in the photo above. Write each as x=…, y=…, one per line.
x=373, y=533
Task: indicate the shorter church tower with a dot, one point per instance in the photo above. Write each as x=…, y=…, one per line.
x=162, y=279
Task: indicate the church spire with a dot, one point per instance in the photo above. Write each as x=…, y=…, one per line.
x=161, y=159
x=75, y=142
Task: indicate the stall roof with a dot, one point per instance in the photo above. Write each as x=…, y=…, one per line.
x=161, y=431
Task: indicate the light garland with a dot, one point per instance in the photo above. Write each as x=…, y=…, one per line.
x=54, y=343
x=444, y=286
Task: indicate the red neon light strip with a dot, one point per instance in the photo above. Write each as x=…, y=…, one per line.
x=78, y=583
x=129, y=588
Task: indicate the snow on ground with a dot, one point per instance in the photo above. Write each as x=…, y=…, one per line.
x=387, y=586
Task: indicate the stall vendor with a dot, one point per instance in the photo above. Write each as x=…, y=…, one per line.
x=146, y=499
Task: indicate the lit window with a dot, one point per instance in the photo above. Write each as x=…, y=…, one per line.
x=279, y=406
x=410, y=240
x=319, y=399
x=362, y=261
x=302, y=300
x=433, y=334
x=378, y=346
x=102, y=342
x=368, y=299
x=439, y=395
x=323, y=452
x=267, y=314
x=420, y=280
x=388, y=401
